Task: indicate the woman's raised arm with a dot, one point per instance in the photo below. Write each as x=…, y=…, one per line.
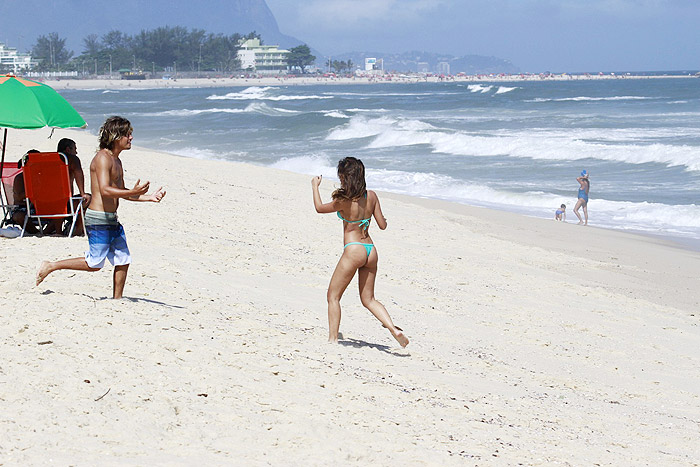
x=321, y=207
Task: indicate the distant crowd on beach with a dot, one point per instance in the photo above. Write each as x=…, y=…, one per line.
x=218, y=80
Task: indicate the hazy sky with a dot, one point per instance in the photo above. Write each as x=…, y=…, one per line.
x=536, y=35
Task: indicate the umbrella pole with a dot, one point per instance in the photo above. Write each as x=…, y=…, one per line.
x=2, y=165
x=4, y=142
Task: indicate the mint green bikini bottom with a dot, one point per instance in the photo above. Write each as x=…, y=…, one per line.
x=368, y=246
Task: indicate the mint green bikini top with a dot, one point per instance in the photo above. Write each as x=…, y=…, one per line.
x=364, y=223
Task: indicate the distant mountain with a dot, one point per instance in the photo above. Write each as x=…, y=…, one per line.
x=434, y=62
x=20, y=24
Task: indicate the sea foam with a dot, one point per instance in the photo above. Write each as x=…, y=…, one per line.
x=642, y=216
x=263, y=93
x=255, y=107
x=314, y=164
x=608, y=145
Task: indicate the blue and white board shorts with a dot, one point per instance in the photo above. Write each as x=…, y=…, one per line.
x=106, y=238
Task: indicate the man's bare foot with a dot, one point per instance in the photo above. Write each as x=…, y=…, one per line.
x=43, y=271
x=580, y=223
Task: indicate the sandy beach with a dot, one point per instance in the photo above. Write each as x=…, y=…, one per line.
x=532, y=341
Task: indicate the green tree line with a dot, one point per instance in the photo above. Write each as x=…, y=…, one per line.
x=343, y=66
x=164, y=48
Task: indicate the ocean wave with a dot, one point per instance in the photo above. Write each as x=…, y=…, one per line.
x=650, y=217
x=358, y=110
x=479, y=88
x=313, y=164
x=256, y=107
x=207, y=154
x=592, y=99
x=119, y=102
x=562, y=147
x=505, y=89
x=264, y=109
x=262, y=93
x=189, y=113
x=632, y=147
x=362, y=127
x=335, y=114
x=642, y=216
x=391, y=94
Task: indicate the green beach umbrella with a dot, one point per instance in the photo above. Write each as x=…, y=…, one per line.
x=26, y=104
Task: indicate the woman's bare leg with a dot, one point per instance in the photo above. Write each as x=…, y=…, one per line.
x=343, y=274
x=579, y=203
x=585, y=213
x=75, y=264
x=367, y=277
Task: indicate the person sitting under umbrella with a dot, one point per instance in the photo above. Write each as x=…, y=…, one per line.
x=75, y=170
x=19, y=212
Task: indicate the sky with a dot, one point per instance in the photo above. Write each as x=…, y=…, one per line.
x=536, y=35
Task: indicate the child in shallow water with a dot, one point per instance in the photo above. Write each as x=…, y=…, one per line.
x=560, y=214
x=355, y=205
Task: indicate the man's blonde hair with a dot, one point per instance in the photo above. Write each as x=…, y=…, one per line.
x=113, y=129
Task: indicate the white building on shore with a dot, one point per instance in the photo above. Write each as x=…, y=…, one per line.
x=13, y=61
x=264, y=59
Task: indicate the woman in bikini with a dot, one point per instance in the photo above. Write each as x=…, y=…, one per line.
x=355, y=206
x=584, y=188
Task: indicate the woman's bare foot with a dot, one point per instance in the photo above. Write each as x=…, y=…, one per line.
x=44, y=270
x=400, y=337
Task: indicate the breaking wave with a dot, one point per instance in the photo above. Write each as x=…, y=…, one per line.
x=263, y=93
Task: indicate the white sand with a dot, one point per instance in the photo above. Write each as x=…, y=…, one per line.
x=532, y=341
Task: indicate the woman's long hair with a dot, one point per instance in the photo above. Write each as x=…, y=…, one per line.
x=351, y=173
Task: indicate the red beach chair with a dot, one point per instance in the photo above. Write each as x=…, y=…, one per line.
x=47, y=185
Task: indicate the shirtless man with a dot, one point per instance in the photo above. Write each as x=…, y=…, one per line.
x=75, y=169
x=105, y=233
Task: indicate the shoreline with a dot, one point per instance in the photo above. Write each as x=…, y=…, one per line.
x=108, y=83
x=531, y=341
x=676, y=241
x=689, y=242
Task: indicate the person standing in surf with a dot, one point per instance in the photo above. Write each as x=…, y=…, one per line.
x=582, y=202
x=355, y=205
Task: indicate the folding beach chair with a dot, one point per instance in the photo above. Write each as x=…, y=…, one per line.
x=47, y=185
x=10, y=170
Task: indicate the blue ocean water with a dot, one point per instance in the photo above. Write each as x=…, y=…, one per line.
x=516, y=147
